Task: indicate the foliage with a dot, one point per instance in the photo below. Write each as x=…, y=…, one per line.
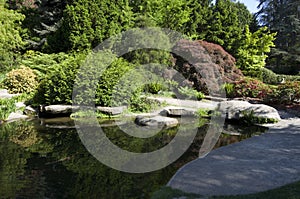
x=142, y=104
x=22, y=80
x=7, y=106
x=57, y=86
x=10, y=37
x=283, y=17
x=286, y=93
x=269, y=77
x=154, y=87
x=250, y=119
x=172, y=14
x=224, y=28
x=229, y=89
x=252, y=53
x=41, y=62
x=87, y=23
x=190, y=93
x=248, y=87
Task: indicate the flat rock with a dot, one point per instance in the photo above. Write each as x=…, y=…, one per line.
x=234, y=108
x=29, y=110
x=156, y=121
x=112, y=110
x=57, y=110
x=16, y=116
x=20, y=105
x=173, y=111
x=5, y=95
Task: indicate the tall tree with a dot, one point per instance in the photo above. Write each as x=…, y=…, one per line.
x=86, y=23
x=10, y=36
x=283, y=17
x=225, y=28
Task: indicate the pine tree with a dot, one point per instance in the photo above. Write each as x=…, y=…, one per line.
x=11, y=41
x=283, y=17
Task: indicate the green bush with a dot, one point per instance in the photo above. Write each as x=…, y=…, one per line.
x=190, y=93
x=41, y=62
x=229, y=90
x=57, y=86
x=269, y=77
x=7, y=106
x=142, y=104
x=286, y=93
x=154, y=87
x=22, y=80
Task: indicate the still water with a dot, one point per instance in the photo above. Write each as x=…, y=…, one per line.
x=46, y=159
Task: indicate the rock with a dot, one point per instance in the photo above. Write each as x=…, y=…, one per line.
x=57, y=110
x=112, y=110
x=5, y=95
x=156, y=121
x=20, y=105
x=30, y=111
x=178, y=111
x=234, y=108
x=16, y=116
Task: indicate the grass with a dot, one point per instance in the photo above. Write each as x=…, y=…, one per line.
x=290, y=191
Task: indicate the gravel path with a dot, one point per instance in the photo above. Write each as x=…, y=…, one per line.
x=257, y=164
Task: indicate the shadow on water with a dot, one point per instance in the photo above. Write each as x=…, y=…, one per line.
x=46, y=159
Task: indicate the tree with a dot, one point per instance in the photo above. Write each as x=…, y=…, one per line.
x=283, y=17
x=225, y=28
x=172, y=14
x=252, y=53
x=11, y=41
x=87, y=23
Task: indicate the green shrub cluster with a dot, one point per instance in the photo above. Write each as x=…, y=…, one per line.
x=286, y=93
x=7, y=106
x=21, y=80
x=190, y=93
x=269, y=77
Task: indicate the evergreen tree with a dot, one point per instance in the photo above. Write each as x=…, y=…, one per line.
x=225, y=28
x=10, y=36
x=283, y=17
x=251, y=55
x=86, y=23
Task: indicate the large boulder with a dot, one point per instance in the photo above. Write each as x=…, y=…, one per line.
x=156, y=121
x=16, y=116
x=236, y=109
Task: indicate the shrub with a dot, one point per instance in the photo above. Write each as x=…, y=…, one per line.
x=7, y=106
x=57, y=86
x=248, y=87
x=190, y=93
x=154, y=87
x=229, y=90
x=41, y=62
x=268, y=76
x=22, y=80
x=286, y=93
x=142, y=104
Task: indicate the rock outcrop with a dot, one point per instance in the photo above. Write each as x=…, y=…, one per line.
x=235, y=110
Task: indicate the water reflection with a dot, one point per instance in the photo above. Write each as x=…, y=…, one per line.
x=45, y=159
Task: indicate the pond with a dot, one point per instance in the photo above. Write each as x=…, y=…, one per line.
x=44, y=158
